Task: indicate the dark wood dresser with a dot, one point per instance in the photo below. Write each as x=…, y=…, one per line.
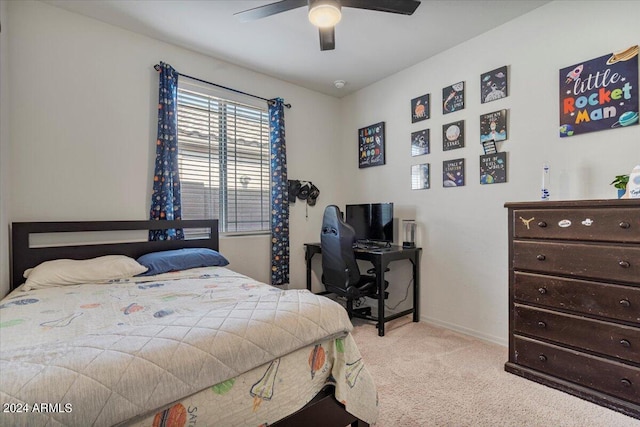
x=574, y=298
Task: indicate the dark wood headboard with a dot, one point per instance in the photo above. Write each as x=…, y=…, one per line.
x=24, y=256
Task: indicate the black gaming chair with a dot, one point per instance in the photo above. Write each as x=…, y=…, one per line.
x=340, y=272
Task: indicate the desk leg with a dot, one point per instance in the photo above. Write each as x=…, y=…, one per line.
x=308, y=256
x=416, y=287
x=380, y=267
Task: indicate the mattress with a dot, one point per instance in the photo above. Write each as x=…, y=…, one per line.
x=198, y=347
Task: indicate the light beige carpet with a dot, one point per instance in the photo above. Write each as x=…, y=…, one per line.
x=430, y=376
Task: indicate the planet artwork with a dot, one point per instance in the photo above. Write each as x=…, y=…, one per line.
x=453, y=132
x=625, y=55
x=626, y=119
x=493, y=85
x=566, y=130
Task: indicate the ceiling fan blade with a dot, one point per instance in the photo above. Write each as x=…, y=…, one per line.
x=404, y=7
x=327, y=38
x=269, y=9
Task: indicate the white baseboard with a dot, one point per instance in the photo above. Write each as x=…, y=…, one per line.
x=493, y=339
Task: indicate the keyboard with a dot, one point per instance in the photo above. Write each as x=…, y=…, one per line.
x=371, y=245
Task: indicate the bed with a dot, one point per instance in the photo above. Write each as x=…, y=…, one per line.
x=204, y=345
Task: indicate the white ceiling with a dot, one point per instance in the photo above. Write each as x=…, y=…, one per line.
x=369, y=45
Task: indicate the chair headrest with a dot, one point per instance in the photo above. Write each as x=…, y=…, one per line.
x=331, y=217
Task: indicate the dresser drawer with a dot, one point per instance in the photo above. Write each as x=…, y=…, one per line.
x=607, y=376
x=581, y=296
x=608, y=225
x=610, y=339
x=608, y=262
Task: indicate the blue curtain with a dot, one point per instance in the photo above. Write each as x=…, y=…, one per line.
x=165, y=200
x=279, y=195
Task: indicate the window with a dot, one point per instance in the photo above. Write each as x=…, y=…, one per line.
x=224, y=159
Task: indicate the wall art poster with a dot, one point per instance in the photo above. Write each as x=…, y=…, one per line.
x=493, y=168
x=599, y=94
x=420, y=176
x=453, y=98
x=420, y=142
x=420, y=108
x=453, y=135
x=453, y=173
x=371, y=145
x=493, y=126
x=493, y=85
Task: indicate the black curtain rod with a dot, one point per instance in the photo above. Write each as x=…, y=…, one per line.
x=270, y=101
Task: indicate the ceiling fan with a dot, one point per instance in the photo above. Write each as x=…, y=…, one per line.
x=325, y=14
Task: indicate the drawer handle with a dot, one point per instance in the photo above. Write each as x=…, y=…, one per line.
x=625, y=343
x=542, y=325
x=625, y=382
x=542, y=290
x=542, y=224
x=624, y=224
x=541, y=257
x=542, y=358
x=625, y=303
x=624, y=264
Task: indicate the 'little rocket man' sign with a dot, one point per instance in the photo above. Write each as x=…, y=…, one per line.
x=599, y=94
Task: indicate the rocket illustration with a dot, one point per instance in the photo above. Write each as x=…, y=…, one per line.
x=263, y=389
x=574, y=74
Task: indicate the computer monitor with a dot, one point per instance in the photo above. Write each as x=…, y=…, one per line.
x=371, y=221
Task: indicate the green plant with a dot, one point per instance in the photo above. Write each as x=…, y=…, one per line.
x=620, y=182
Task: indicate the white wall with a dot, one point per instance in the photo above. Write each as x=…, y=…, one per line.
x=83, y=127
x=464, y=230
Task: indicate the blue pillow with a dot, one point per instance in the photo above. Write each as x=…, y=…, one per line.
x=180, y=259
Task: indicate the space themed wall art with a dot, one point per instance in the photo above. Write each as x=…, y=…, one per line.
x=493, y=168
x=493, y=85
x=493, y=126
x=420, y=177
x=420, y=142
x=420, y=108
x=371, y=145
x=453, y=135
x=453, y=98
x=599, y=94
x=453, y=173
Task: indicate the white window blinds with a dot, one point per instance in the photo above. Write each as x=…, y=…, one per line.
x=223, y=152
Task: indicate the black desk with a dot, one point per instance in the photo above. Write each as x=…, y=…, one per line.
x=380, y=258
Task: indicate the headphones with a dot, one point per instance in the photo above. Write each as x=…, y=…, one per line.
x=294, y=189
x=304, y=190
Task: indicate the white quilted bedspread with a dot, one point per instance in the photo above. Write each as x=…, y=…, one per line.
x=109, y=352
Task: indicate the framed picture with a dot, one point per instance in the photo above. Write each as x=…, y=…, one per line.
x=420, y=108
x=493, y=168
x=493, y=85
x=493, y=126
x=453, y=98
x=453, y=173
x=420, y=176
x=600, y=93
x=420, y=142
x=371, y=145
x=453, y=135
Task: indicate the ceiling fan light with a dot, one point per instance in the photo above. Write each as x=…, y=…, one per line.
x=324, y=14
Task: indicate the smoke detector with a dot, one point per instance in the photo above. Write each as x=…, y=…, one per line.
x=339, y=84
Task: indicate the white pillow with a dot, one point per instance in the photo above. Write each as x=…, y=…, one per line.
x=62, y=272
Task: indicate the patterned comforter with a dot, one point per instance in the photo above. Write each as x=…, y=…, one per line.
x=146, y=351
